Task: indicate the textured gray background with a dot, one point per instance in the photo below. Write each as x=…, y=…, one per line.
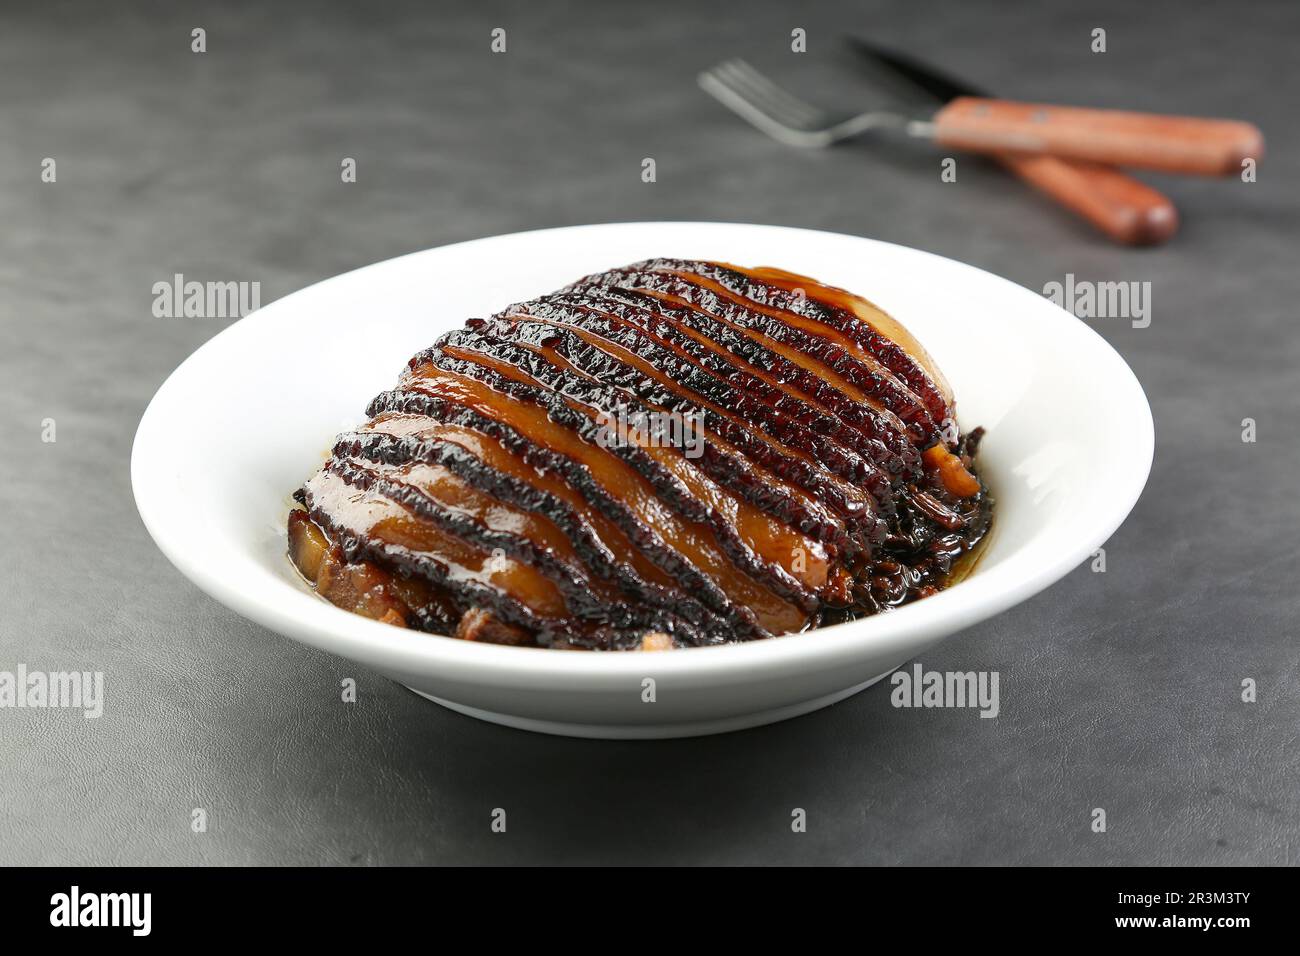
x=1119, y=690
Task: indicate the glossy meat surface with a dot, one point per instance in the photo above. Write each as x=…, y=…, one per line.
x=674, y=453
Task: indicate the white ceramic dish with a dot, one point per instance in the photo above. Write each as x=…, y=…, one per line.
x=247, y=418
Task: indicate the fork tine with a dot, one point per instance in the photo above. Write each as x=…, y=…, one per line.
x=770, y=92
x=778, y=129
x=783, y=118
x=778, y=98
x=730, y=87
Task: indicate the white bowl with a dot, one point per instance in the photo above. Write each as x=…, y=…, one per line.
x=249, y=416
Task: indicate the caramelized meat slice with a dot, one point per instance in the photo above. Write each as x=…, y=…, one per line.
x=673, y=453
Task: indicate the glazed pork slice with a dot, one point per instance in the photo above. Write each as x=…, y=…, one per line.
x=674, y=453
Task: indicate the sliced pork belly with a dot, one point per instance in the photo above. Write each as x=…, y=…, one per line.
x=496, y=494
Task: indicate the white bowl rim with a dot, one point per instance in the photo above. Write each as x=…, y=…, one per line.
x=983, y=595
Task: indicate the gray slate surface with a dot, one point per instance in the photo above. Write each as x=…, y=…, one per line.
x=1119, y=690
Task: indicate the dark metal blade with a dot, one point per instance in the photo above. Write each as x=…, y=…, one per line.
x=934, y=83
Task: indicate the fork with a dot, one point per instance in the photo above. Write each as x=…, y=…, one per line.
x=1177, y=144
x=790, y=120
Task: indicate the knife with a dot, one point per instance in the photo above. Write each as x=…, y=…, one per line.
x=1128, y=211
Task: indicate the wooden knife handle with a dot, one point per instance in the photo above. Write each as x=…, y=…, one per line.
x=1174, y=144
x=1123, y=208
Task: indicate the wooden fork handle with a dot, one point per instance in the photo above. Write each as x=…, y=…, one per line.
x=1128, y=211
x=1174, y=144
